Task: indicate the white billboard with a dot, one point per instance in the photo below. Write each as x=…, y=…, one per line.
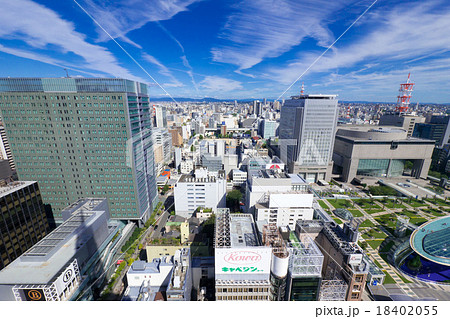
x=355, y=259
x=242, y=262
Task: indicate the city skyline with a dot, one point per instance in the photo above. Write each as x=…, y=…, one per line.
x=249, y=49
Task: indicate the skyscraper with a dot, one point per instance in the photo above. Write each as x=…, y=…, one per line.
x=83, y=137
x=307, y=129
x=23, y=221
x=160, y=116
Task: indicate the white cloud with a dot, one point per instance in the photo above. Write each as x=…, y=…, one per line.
x=220, y=84
x=43, y=29
x=122, y=16
x=261, y=29
x=421, y=34
x=163, y=70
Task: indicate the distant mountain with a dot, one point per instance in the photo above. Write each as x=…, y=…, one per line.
x=210, y=99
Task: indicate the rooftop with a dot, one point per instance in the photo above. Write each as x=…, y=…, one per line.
x=44, y=261
x=235, y=230
x=13, y=187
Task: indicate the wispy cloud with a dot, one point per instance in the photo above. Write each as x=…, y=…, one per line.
x=396, y=40
x=220, y=84
x=163, y=70
x=261, y=29
x=122, y=16
x=190, y=70
x=42, y=29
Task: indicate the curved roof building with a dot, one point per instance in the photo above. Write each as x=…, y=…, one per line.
x=432, y=240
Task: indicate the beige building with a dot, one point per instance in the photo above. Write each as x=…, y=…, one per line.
x=380, y=152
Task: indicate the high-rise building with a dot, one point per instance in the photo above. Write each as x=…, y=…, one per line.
x=203, y=190
x=160, y=116
x=438, y=129
x=23, y=221
x=307, y=129
x=83, y=137
x=268, y=128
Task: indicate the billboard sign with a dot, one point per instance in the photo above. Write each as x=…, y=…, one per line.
x=355, y=259
x=276, y=166
x=34, y=294
x=65, y=278
x=243, y=261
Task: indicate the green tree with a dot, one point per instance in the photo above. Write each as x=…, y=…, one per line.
x=165, y=189
x=192, y=148
x=233, y=199
x=200, y=137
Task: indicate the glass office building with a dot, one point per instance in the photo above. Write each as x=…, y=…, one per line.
x=83, y=137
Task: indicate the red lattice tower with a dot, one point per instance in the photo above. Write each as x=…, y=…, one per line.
x=404, y=96
x=302, y=91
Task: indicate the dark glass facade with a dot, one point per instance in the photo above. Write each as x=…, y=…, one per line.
x=22, y=220
x=305, y=289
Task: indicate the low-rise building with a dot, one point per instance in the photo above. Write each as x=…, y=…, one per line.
x=380, y=152
x=206, y=191
x=67, y=263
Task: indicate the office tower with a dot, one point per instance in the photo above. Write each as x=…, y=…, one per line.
x=160, y=116
x=307, y=129
x=162, y=148
x=81, y=137
x=257, y=108
x=22, y=219
x=406, y=121
x=438, y=130
x=204, y=190
x=268, y=128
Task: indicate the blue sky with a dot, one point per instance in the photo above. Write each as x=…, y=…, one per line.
x=236, y=49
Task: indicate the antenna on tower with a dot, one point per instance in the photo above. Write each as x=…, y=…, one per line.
x=302, y=91
x=67, y=73
x=404, y=96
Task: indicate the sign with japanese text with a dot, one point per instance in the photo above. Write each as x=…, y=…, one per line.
x=243, y=260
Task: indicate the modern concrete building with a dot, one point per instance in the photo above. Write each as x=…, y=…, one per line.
x=160, y=116
x=307, y=130
x=212, y=163
x=65, y=264
x=343, y=259
x=268, y=128
x=166, y=278
x=23, y=220
x=162, y=148
x=260, y=187
x=201, y=190
x=177, y=139
x=83, y=137
x=284, y=208
x=238, y=177
x=379, y=151
x=437, y=129
x=398, y=119
x=242, y=263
